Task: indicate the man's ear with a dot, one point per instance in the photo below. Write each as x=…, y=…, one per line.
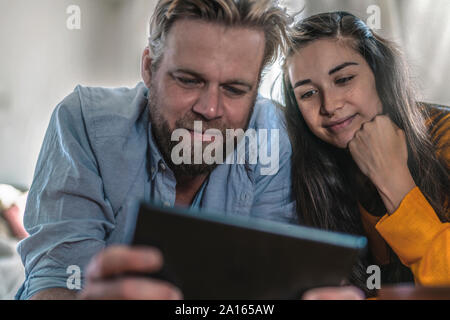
x=146, y=67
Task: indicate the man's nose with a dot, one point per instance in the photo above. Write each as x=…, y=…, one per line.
x=331, y=102
x=209, y=103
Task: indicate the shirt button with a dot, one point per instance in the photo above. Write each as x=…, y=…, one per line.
x=162, y=166
x=166, y=204
x=245, y=196
x=153, y=170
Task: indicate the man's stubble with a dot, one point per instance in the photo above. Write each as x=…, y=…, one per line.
x=162, y=133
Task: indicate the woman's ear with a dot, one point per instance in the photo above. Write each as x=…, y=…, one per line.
x=146, y=65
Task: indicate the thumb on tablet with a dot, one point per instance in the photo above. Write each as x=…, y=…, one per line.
x=117, y=260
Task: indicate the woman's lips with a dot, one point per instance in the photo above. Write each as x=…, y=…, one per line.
x=339, y=125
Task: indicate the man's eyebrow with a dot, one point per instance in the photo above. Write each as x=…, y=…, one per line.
x=237, y=82
x=189, y=72
x=342, y=66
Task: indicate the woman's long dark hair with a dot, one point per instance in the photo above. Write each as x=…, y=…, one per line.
x=326, y=186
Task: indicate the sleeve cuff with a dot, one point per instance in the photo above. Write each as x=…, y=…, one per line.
x=411, y=228
x=33, y=285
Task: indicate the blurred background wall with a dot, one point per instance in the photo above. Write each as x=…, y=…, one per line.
x=42, y=60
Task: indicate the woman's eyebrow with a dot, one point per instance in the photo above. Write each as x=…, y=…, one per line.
x=341, y=66
x=334, y=70
x=301, y=83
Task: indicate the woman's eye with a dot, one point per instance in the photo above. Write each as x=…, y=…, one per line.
x=344, y=80
x=308, y=94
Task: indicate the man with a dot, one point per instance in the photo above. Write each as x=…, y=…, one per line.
x=105, y=150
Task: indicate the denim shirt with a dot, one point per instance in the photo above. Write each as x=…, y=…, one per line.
x=99, y=160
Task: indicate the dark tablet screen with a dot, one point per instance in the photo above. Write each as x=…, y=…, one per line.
x=218, y=256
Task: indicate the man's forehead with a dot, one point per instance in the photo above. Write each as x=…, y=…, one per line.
x=195, y=44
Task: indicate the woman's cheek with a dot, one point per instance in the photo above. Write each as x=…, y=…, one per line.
x=309, y=118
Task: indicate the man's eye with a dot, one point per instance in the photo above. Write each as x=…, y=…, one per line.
x=308, y=94
x=188, y=81
x=344, y=80
x=234, y=91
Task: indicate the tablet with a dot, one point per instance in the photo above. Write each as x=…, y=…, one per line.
x=219, y=256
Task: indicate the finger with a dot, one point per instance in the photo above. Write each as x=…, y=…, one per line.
x=385, y=119
x=355, y=136
x=120, y=259
x=358, y=159
x=351, y=145
x=376, y=122
x=372, y=120
x=341, y=293
x=381, y=116
x=359, y=149
x=131, y=289
x=364, y=125
x=357, y=142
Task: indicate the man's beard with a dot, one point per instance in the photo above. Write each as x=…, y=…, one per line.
x=162, y=133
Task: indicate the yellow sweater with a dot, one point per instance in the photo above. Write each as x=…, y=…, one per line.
x=414, y=231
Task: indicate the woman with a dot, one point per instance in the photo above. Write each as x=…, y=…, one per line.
x=367, y=159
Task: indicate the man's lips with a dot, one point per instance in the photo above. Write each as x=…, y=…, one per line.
x=339, y=124
x=201, y=136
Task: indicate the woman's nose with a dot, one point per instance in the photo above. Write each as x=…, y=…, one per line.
x=330, y=102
